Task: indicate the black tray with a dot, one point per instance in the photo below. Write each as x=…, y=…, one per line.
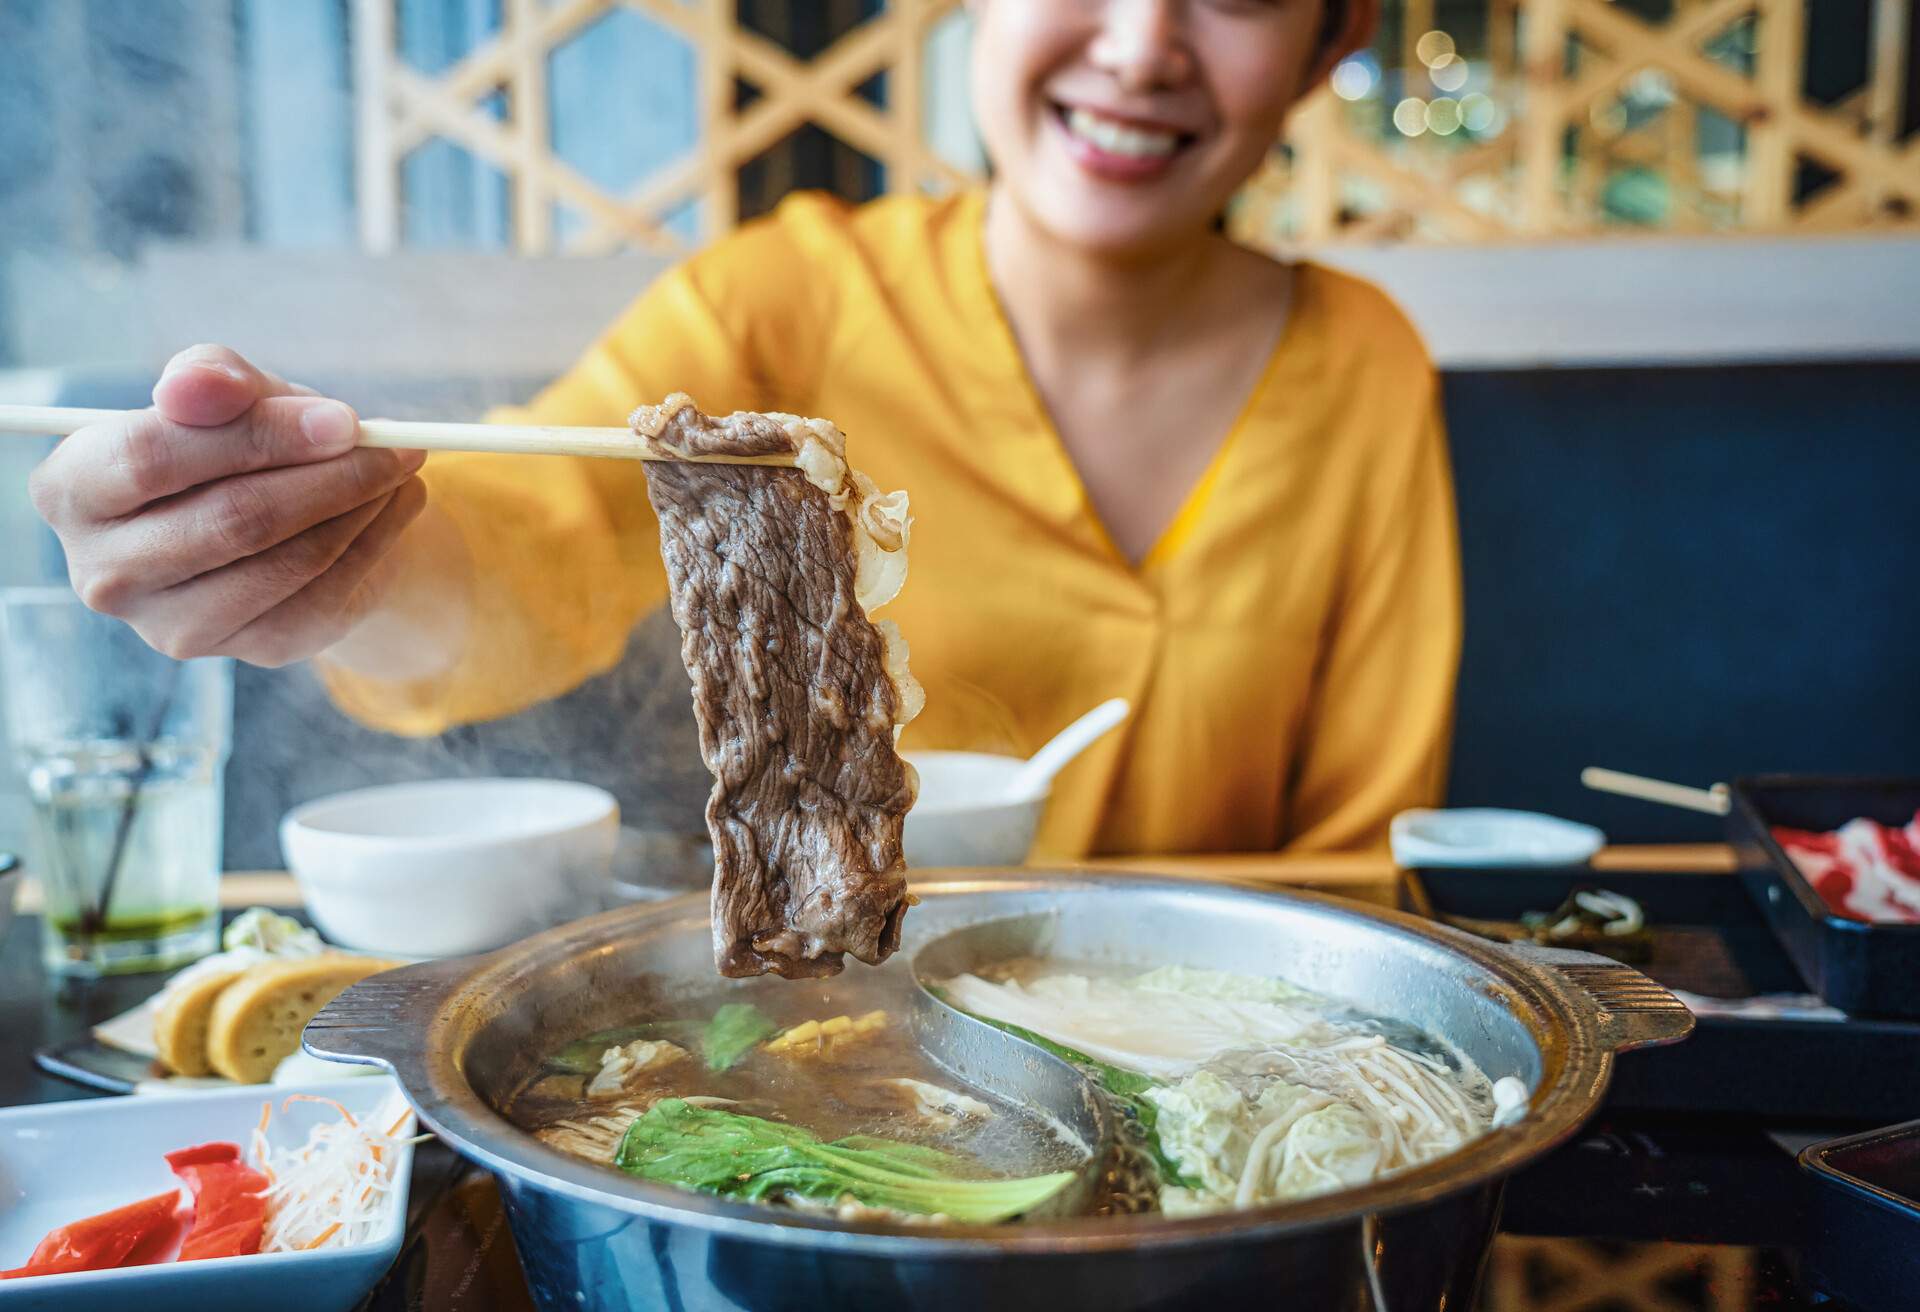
x=1710, y=938
x=1863, y=1217
x=1861, y=968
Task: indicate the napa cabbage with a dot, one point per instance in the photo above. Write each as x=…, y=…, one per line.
x=1198, y=983
x=1163, y=1033
x=1287, y=1142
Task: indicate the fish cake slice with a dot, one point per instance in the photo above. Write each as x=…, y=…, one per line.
x=257, y=1019
x=180, y=1025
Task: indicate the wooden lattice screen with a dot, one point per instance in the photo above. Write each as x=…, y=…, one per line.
x=1574, y=1275
x=1559, y=72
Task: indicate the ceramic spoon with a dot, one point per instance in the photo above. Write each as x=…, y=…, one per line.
x=1033, y=777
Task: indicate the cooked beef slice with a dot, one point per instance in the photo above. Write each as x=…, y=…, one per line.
x=795, y=705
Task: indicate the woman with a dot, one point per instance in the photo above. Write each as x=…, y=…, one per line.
x=1144, y=462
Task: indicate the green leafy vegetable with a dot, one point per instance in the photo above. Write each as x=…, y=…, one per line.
x=731, y=1034
x=745, y=1157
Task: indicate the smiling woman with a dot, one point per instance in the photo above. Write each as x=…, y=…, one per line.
x=1145, y=462
x=1183, y=100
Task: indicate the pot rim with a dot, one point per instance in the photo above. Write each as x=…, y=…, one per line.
x=1579, y=1008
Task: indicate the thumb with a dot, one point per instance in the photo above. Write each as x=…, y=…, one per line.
x=206, y=386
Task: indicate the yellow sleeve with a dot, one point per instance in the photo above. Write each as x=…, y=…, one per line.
x=565, y=552
x=1381, y=712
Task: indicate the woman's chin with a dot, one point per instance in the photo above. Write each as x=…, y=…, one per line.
x=1119, y=230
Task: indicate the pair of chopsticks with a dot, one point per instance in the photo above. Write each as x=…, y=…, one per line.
x=406, y=435
x=1712, y=801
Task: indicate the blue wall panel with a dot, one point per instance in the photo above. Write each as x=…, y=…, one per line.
x=1688, y=573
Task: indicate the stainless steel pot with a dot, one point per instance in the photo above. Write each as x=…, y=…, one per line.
x=463, y=1035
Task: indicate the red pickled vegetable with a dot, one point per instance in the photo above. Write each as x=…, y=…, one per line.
x=229, y=1201
x=134, y=1235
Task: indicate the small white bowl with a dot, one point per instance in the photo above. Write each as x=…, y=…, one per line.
x=454, y=866
x=967, y=814
x=1490, y=836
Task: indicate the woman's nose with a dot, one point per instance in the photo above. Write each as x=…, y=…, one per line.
x=1142, y=44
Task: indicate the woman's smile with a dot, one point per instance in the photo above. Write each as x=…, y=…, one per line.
x=1122, y=128
x=1117, y=148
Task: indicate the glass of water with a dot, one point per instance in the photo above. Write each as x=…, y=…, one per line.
x=123, y=752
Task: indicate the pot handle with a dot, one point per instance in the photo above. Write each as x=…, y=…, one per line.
x=1633, y=1011
x=376, y=1022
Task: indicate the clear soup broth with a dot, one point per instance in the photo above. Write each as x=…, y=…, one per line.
x=1225, y=1090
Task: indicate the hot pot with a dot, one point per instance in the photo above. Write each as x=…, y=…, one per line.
x=462, y=1035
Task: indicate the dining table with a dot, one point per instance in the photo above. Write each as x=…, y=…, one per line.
x=1640, y=1211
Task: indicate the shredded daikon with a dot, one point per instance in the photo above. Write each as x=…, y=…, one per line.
x=337, y=1189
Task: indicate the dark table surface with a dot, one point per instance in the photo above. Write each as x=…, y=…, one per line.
x=1647, y=1212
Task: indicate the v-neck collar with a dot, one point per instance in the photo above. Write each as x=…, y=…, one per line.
x=1051, y=450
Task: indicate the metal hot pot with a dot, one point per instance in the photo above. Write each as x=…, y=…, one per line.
x=463, y=1035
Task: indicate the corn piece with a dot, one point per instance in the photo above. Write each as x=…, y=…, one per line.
x=820, y=1038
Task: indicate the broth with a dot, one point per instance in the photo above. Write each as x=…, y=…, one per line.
x=1225, y=1090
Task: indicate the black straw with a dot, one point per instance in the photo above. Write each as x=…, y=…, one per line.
x=93, y=918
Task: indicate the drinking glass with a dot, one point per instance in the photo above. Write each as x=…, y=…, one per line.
x=123, y=751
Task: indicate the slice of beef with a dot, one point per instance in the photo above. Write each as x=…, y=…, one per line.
x=793, y=692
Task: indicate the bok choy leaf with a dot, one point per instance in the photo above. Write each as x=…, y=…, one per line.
x=745, y=1157
x=731, y=1034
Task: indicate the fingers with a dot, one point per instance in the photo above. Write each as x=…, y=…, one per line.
x=206, y=386
x=197, y=617
x=207, y=527
x=109, y=470
x=323, y=612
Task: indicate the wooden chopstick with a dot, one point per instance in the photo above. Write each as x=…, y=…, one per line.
x=1713, y=801
x=408, y=435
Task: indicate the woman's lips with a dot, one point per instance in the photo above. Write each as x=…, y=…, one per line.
x=1117, y=151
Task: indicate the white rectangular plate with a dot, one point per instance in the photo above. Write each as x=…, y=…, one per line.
x=64, y=1161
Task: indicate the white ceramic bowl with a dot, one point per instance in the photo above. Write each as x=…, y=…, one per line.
x=449, y=867
x=966, y=815
x=1490, y=836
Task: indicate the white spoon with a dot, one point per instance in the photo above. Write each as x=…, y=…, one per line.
x=1083, y=733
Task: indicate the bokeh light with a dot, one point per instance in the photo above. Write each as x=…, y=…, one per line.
x=1352, y=79
x=1451, y=73
x=1443, y=117
x=1477, y=112
x=1432, y=48
x=1410, y=116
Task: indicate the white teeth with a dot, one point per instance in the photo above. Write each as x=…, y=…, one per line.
x=1119, y=139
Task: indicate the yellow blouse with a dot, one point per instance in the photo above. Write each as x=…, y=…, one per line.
x=1289, y=645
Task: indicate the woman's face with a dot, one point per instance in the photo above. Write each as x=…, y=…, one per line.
x=1124, y=126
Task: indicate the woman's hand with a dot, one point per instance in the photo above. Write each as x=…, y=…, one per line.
x=234, y=518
